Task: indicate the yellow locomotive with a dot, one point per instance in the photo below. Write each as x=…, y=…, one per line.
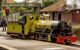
x=33, y=27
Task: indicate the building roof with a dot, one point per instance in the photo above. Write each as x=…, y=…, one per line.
x=10, y=1
x=54, y=7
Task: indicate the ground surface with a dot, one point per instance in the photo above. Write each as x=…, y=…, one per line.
x=21, y=44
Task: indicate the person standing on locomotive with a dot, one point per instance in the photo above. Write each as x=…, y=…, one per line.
x=23, y=21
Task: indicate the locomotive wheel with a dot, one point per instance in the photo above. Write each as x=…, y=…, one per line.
x=53, y=40
x=32, y=37
x=23, y=37
x=35, y=37
x=16, y=37
x=67, y=42
x=20, y=36
x=45, y=37
x=38, y=37
x=12, y=36
x=27, y=37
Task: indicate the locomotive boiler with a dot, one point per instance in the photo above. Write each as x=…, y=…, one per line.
x=46, y=30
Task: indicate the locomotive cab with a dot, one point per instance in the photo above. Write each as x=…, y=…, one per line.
x=22, y=21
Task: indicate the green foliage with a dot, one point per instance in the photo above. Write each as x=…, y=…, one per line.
x=48, y=2
x=20, y=9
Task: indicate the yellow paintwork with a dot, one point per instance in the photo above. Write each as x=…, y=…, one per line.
x=49, y=37
x=43, y=24
x=33, y=25
x=30, y=25
x=14, y=28
x=18, y=28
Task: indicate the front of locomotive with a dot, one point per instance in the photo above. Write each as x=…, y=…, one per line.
x=64, y=29
x=63, y=33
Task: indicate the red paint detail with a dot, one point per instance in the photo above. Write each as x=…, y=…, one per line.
x=72, y=39
x=61, y=39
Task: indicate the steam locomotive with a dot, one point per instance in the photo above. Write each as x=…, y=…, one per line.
x=45, y=30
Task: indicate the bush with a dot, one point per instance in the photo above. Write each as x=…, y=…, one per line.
x=48, y=2
x=76, y=30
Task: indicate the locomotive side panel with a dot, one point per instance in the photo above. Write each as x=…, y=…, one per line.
x=14, y=28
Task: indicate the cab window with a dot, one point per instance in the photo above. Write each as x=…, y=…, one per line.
x=23, y=20
x=42, y=17
x=31, y=17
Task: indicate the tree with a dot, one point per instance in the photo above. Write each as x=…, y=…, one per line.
x=0, y=4
x=48, y=2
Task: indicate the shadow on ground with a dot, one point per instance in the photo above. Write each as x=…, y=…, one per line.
x=1, y=48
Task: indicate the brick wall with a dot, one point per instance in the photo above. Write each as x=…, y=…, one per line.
x=76, y=17
x=67, y=17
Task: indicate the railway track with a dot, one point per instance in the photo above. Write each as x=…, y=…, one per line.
x=74, y=45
